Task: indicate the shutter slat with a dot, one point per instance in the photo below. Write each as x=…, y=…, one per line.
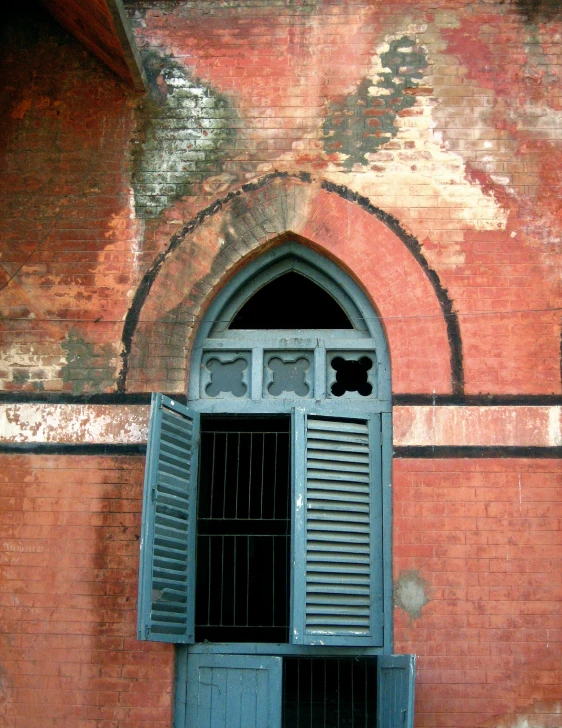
x=167, y=542
x=338, y=510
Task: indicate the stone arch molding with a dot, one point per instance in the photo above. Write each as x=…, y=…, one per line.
x=387, y=263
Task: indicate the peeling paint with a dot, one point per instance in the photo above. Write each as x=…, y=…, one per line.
x=88, y=368
x=478, y=426
x=365, y=120
x=181, y=131
x=411, y=593
x=74, y=424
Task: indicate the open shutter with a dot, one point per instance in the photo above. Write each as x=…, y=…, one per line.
x=234, y=691
x=337, y=558
x=167, y=565
x=395, y=691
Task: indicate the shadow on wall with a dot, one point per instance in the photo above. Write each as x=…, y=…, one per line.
x=540, y=10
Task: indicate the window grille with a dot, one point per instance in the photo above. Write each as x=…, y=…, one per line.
x=329, y=692
x=244, y=522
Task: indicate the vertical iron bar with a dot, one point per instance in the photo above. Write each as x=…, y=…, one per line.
x=247, y=580
x=237, y=474
x=234, y=590
x=352, y=696
x=273, y=541
x=298, y=693
x=212, y=476
x=250, y=475
x=366, y=694
x=311, y=663
x=338, y=692
x=275, y=475
x=222, y=577
x=325, y=707
x=224, y=474
x=210, y=541
x=262, y=473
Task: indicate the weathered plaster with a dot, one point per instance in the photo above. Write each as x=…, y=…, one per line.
x=413, y=426
x=181, y=129
x=411, y=593
x=73, y=423
x=478, y=426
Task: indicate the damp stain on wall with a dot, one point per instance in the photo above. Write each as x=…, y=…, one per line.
x=183, y=126
x=89, y=367
x=362, y=122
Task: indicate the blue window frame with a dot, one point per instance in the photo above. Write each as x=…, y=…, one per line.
x=341, y=497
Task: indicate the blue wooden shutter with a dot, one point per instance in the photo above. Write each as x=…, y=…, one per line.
x=395, y=691
x=233, y=691
x=337, y=564
x=167, y=565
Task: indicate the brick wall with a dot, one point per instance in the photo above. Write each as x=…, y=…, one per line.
x=445, y=116
x=478, y=582
x=419, y=146
x=69, y=543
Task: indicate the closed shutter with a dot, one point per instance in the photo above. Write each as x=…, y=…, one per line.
x=337, y=564
x=167, y=566
x=234, y=691
x=395, y=691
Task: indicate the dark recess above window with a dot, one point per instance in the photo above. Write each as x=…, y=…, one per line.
x=291, y=301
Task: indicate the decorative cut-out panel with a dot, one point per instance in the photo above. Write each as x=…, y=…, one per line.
x=351, y=374
x=288, y=374
x=225, y=374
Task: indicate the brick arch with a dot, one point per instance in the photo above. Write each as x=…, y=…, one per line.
x=415, y=310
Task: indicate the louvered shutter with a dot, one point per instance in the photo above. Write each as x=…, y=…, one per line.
x=167, y=565
x=337, y=563
x=395, y=691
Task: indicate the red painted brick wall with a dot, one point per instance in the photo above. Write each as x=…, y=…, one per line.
x=69, y=543
x=482, y=538
x=96, y=182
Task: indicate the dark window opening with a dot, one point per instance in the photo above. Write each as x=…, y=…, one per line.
x=291, y=301
x=329, y=692
x=243, y=530
x=351, y=376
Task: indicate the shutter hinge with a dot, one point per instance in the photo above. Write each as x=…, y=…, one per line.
x=147, y=629
x=153, y=493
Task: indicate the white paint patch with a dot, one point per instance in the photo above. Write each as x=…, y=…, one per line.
x=554, y=426
x=477, y=426
x=74, y=424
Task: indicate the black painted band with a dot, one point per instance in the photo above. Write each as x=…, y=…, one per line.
x=404, y=400
x=56, y=448
x=113, y=398
x=469, y=452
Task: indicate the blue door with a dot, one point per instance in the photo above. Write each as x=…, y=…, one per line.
x=233, y=691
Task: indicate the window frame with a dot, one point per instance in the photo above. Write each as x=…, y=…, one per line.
x=367, y=338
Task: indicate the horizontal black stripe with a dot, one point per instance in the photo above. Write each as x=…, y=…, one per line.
x=478, y=400
x=412, y=400
x=464, y=451
x=117, y=398
x=426, y=451
x=56, y=448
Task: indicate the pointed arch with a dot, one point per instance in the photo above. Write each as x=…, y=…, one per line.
x=417, y=314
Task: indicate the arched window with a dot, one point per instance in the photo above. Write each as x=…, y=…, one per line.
x=267, y=514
